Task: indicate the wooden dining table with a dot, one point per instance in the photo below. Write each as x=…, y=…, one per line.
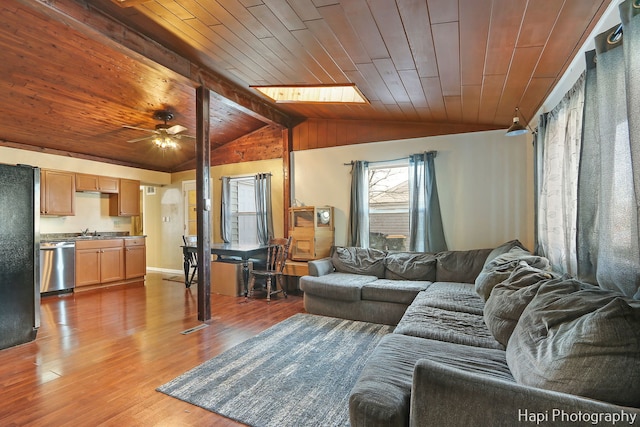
x=240, y=252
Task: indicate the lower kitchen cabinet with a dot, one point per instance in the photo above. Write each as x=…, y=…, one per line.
x=99, y=261
x=135, y=254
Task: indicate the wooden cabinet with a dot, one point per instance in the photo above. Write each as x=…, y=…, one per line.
x=135, y=254
x=99, y=261
x=87, y=265
x=102, y=184
x=312, y=232
x=57, y=193
x=127, y=201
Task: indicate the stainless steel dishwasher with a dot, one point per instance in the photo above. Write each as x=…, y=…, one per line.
x=57, y=266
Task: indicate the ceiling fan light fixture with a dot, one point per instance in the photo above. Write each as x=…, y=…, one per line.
x=165, y=142
x=516, y=128
x=163, y=136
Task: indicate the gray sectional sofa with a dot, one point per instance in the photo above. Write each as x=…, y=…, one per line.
x=483, y=337
x=375, y=286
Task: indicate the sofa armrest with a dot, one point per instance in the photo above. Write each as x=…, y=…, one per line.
x=442, y=395
x=320, y=267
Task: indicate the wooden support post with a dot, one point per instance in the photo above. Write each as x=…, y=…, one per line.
x=203, y=202
x=287, y=141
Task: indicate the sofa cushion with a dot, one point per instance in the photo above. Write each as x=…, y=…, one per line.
x=579, y=339
x=509, y=298
x=410, y=266
x=400, y=291
x=358, y=261
x=340, y=286
x=320, y=267
x=500, y=268
x=424, y=321
x=381, y=396
x=454, y=296
x=460, y=266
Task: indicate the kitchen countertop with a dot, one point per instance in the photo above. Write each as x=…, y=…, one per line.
x=59, y=237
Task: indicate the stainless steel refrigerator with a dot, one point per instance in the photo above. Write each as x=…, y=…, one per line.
x=19, y=254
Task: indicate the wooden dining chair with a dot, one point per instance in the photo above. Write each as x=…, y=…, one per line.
x=192, y=260
x=277, y=254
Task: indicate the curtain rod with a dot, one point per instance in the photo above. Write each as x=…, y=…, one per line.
x=246, y=176
x=392, y=160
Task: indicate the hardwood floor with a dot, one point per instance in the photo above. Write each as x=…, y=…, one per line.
x=100, y=355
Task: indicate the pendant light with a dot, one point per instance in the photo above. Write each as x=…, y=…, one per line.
x=516, y=128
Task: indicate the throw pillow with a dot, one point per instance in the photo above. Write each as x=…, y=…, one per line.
x=500, y=268
x=509, y=298
x=358, y=261
x=410, y=266
x=579, y=339
x=503, y=249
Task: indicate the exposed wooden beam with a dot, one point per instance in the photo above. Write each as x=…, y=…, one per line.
x=203, y=202
x=93, y=23
x=228, y=93
x=287, y=147
x=129, y=3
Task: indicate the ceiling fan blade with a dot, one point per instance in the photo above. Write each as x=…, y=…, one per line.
x=141, y=139
x=175, y=129
x=137, y=128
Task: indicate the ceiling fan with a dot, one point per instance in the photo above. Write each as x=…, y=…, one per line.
x=163, y=136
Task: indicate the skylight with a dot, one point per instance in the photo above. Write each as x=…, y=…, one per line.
x=328, y=94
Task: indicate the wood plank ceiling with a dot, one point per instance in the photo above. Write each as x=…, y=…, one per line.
x=73, y=72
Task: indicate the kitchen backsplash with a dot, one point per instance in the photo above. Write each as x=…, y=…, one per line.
x=92, y=212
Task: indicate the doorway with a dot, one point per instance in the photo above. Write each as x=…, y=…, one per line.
x=190, y=226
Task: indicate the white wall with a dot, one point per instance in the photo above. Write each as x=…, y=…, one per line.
x=485, y=184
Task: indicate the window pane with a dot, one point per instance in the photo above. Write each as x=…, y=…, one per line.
x=388, y=207
x=244, y=228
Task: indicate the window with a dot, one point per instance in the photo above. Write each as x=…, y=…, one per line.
x=389, y=205
x=244, y=228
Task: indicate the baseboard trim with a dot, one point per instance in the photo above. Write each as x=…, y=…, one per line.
x=165, y=270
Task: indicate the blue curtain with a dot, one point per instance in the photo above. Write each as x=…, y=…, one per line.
x=359, y=210
x=263, y=207
x=608, y=187
x=425, y=220
x=630, y=17
x=225, y=214
x=607, y=238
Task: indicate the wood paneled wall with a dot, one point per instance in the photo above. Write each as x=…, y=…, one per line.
x=320, y=133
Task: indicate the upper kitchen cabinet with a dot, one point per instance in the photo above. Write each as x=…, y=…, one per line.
x=102, y=184
x=127, y=201
x=57, y=192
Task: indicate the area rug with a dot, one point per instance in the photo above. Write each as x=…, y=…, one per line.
x=296, y=373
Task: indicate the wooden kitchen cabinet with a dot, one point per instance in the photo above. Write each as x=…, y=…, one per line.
x=127, y=201
x=102, y=184
x=57, y=193
x=99, y=261
x=87, y=265
x=135, y=254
